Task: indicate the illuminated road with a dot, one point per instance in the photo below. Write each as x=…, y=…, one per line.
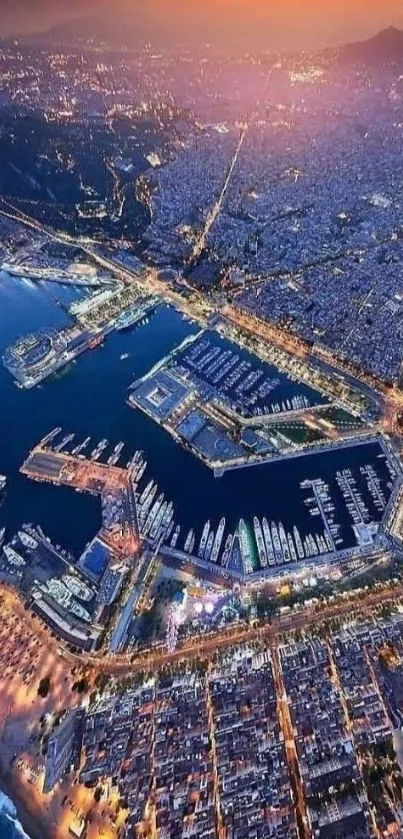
x=216, y=208
x=206, y=646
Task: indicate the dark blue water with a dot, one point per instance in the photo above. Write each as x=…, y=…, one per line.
x=90, y=399
x=10, y=827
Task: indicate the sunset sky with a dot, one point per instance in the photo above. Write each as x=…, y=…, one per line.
x=283, y=24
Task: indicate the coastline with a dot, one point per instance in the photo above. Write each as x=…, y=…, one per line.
x=33, y=825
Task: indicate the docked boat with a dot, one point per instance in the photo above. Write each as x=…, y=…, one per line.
x=145, y=492
x=291, y=548
x=96, y=453
x=203, y=540
x=27, y=541
x=298, y=543
x=158, y=520
x=51, y=436
x=147, y=503
x=190, y=541
x=79, y=611
x=260, y=542
x=79, y=589
x=246, y=549
x=13, y=557
x=284, y=543
x=226, y=555
x=63, y=443
x=81, y=446
x=278, y=553
x=175, y=536
x=2, y=535
x=268, y=542
x=218, y=540
x=209, y=546
x=141, y=471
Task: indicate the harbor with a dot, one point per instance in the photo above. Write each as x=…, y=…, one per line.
x=89, y=401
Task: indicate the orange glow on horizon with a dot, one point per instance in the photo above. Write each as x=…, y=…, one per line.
x=271, y=23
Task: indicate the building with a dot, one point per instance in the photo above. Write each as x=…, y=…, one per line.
x=64, y=748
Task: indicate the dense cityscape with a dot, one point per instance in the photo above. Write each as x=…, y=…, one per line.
x=201, y=488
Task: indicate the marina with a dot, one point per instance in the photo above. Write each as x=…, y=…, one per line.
x=269, y=492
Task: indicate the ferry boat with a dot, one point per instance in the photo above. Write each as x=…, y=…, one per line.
x=217, y=541
x=203, y=540
x=260, y=542
x=268, y=542
x=190, y=542
x=27, y=541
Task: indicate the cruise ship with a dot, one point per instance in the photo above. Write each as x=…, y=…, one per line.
x=190, y=542
x=135, y=314
x=13, y=557
x=268, y=542
x=260, y=542
x=203, y=540
x=246, y=548
x=27, y=541
x=218, y=540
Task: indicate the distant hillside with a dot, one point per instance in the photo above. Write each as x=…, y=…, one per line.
x=385, y=48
